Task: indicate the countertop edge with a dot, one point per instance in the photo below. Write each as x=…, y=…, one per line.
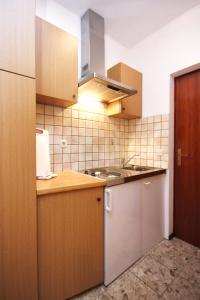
x=55, y=190
x=145, y=175
x=100, y=183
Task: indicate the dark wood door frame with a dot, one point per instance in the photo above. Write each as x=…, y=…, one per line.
x=169, y=193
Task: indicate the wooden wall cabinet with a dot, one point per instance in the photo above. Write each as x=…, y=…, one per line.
x=17, y=35
x=18, y=250
x=130, y=107
x=70, y=242
x=56, y=65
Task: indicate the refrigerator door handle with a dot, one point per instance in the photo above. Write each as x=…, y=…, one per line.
x=108, y=200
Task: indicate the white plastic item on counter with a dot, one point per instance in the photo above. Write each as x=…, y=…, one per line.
x=43, y=169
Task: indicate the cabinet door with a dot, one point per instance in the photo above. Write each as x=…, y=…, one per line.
x=17, y=35
x=152, y=211
x=18, y=251
x=130, y=107
x=56, y=65
x=70, y=243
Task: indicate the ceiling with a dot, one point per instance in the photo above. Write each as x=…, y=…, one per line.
x=130, y=21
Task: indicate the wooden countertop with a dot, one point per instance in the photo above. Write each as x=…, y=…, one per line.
x=67, y=181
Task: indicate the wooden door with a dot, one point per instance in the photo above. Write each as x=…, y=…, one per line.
x=187, y=158
x=17, y=36
x=70, y=243
x=18, y=251
x=56, y=65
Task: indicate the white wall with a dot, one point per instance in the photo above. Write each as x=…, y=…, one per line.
x=115, y=53
x=56, y=14
x=174, y=47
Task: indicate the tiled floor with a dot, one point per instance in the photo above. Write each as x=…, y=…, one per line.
x=170, y=271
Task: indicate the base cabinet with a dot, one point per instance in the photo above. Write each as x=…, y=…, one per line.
x=70, y=243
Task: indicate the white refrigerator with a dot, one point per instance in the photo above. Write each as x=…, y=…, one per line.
x=134, y=222
x=123, y=243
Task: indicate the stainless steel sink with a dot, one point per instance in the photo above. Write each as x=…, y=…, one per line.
x=137, y=168
x=117, y=175
x=103, y=173
x=113, y=174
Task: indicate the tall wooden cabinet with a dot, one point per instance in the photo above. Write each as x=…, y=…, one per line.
x=18, y=249
x=56, y=65
x=17, y=30
x=70, y=242
x=130, y=107
x=17, y=177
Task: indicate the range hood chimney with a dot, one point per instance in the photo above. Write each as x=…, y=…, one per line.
x=92, y=44
x=93, y=82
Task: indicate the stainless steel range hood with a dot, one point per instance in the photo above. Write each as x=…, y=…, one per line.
x=93, y=82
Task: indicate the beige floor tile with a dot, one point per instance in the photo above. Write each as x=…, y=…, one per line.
x=182, y=289
x=172, y=254
x=94, y=294
x=154, y=274
x=170, y=271
x=191, y=270
x=129, y=287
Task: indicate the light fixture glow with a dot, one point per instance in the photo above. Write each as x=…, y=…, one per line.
x=90, y=103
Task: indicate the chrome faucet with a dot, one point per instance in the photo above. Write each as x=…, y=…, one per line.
x=125, y=162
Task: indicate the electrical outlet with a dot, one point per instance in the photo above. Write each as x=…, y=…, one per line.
x=159, y=152
x=63, y=143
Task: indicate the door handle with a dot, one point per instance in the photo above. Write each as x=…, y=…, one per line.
x=108, y=200
x=180, y=155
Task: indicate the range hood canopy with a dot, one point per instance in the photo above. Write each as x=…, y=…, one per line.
x=104, y=89
x=93, y=82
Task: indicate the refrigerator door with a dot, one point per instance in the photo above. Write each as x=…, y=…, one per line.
x=152, y=211
x=123, y=240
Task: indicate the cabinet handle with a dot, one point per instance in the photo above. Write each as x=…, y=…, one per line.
x=148, y=183
x=108, y=200
x=98, y=199
x=123, y=108
x=74, y=96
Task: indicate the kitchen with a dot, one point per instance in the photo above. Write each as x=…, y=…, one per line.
x=95, y=230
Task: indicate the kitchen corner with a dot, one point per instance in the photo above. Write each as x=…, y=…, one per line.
x=93, y=134
x=99, y=156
